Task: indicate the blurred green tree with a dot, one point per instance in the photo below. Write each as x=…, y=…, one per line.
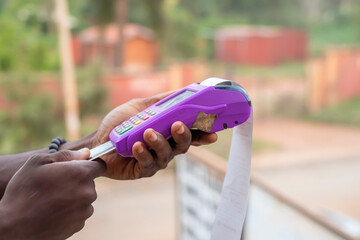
x=33, y=118
x=38, y=48
x=28, y=47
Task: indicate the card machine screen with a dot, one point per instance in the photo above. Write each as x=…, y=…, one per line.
x=172, y=101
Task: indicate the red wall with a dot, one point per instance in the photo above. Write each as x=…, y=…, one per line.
x=122, y=88
x=262, y=49
x=348, y=83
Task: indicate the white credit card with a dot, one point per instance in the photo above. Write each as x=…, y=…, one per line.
x=101, y=150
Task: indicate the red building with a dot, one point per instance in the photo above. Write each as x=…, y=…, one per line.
x=259, y=45
x=94, y=43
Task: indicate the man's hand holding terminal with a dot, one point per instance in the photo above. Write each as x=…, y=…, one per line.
x=146, y=163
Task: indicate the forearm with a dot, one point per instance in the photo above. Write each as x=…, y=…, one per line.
x=10, y=164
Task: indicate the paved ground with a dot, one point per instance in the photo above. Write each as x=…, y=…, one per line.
x=133, y=210
x=145, y=209
x=302, y=142
x=317, y=165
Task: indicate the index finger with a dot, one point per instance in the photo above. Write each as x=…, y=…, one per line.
x=182, y=137
x=201, y=138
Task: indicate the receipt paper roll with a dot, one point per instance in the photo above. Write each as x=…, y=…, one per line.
x=231, y=212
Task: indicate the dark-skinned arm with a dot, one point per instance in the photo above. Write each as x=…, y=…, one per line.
x=10, y=164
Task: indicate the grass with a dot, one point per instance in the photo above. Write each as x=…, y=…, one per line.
x=322, y=37
x=222, y=146
x=288, y=70
x=346, y=113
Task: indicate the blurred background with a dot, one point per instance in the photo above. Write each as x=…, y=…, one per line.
x=65, y=64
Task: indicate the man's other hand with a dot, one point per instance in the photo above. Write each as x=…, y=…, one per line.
x=146, y=163
x=50, y=197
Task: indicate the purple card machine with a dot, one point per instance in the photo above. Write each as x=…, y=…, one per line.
x=211, y=106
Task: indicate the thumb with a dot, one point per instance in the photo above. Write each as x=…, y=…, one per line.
x=147, y=102
x=67, y=155
x=91, y=169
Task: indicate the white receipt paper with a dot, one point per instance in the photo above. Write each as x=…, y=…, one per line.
x=230, y=214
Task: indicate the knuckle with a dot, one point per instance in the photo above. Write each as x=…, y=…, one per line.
x=79, y=226
x=82, y=172
x=89, y=171
x=164, y=165
x=150, y=165
x=148, y=101
x=64, y=155
x=149, y=173
x=166, y=161
x=89, y=211
x=37, y=158
x=171, y=156
x=160, y=166
x=184, y=149
x=134, y=101
x=89, y=194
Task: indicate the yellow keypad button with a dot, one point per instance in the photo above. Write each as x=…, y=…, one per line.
x=137, y=123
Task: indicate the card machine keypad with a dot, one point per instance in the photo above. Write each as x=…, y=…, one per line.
x=134, y=121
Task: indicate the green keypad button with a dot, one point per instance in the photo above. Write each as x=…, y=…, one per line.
x=125, y=130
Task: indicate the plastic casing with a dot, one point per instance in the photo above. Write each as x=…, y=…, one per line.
x=231, y=106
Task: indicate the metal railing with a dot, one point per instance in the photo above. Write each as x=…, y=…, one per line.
x=270, y=215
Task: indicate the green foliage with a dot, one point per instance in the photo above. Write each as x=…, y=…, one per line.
x=28, y=44
x=155, y=14
x=249, y=11
x=181, y=32
x=25, y=42
x=8, y=53
x=102, y=11
x=344, y=32
x=33, y=118
x=344, y=113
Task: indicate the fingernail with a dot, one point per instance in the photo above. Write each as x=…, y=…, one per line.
x=153, y=136
x=84, y=150
x=140, y=149
x=214, y=138
x=181, y=130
